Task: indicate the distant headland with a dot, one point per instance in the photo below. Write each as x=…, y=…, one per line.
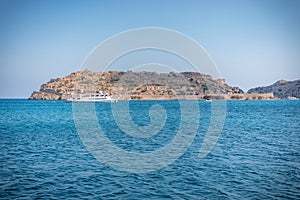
x=158, y=86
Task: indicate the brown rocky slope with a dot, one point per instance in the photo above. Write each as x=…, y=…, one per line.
x=142, y=85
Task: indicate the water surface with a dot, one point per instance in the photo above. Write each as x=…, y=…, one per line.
x=257, y=154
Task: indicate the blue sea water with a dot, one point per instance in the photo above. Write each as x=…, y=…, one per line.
x=257, y=155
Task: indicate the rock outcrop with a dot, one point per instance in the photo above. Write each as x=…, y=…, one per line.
x=281, y=89
x=141, y=85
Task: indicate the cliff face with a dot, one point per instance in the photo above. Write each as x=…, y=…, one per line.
x=141, y=85
x=281, y=89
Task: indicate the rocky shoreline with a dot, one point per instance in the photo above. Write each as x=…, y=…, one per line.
x=144, y=86
x=281, y=89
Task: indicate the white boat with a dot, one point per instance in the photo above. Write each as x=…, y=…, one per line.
x=208, y=100
x=292, y=98
x=95, y=97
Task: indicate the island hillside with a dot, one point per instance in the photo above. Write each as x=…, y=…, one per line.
x=281, y=89
x=143, y=86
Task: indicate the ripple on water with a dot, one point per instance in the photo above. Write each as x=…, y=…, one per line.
x=257, y=155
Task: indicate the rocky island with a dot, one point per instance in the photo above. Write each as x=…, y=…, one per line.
x=281, y=89
x=144, y=86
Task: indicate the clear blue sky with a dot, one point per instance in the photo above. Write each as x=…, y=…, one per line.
x=253, y=43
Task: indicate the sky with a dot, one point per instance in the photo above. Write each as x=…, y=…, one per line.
x=252, y=42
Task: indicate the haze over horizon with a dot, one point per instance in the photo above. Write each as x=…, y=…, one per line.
x=253, y=43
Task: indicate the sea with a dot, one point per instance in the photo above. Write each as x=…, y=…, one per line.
x=255, y=153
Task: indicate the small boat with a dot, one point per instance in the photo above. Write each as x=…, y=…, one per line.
x=208, y=100
x=292, y=98
x=95, y=97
